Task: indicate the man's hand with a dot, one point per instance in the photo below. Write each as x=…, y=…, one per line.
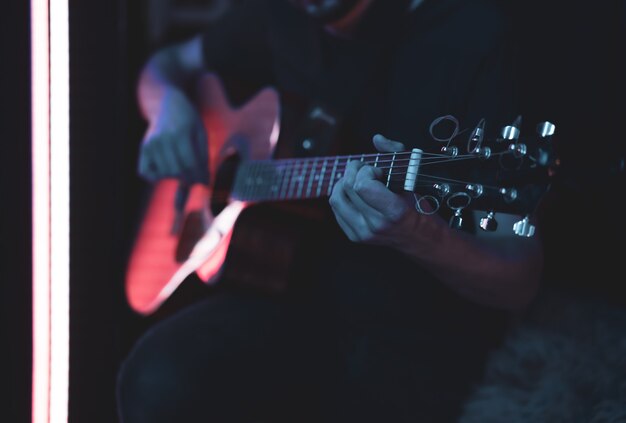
x=175, y=144
x=368, y=211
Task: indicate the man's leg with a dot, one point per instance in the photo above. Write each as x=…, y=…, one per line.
x=230, y=358
x=410, y=349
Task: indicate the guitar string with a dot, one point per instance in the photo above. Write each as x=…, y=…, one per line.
x=274, y=166
x=281, y=179
x=295, y=189
x=425, y=181
x=275, y=170
x=347, y=159
x=359, y=156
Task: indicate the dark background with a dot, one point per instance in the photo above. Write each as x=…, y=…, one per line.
x=572, y=66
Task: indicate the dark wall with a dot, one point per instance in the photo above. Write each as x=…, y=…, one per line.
x=106, y=49
x=572, y=73
x=15, y=213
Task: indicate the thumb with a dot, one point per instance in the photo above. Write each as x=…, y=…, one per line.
x=385, y=145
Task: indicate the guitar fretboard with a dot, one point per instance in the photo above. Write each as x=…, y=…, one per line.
x=290, y=179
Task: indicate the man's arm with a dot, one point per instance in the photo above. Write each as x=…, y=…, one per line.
x=499, y=269
x=175, y=143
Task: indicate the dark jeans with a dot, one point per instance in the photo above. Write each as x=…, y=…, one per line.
x=363, y=343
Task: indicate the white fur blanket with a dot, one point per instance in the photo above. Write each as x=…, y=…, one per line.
x=564, y=362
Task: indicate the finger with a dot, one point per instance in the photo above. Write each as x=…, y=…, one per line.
x=143, y=168
x=350, y=172
x=385, y=145
x=201, y=169
x=166, y=160
x=197, y=156
x=347, y=229
x=189, y=172
x=391, y=206
x=372, y=219
x=347, y=216
x=147, y=167
x=375, y=201
x=366, y=176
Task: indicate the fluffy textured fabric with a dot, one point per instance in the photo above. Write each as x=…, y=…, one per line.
x=564, y=362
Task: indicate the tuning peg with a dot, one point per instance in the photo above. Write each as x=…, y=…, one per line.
x=442, y=189
x=524, y=228
x=474, y=190
x=483, y=152
x=546, y=129
x=508, y=194
x=450, y=151
x=512, y=132
x=456, y=221
x=489, y=222
x=518, y=149
x=478, y=133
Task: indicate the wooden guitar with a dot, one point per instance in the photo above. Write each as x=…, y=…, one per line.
x=507, y=174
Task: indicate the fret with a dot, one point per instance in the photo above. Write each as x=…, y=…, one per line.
x=276, y=181
x=311, y=178
x=241, y=184
x=282, y=171
x=259, y=182
x=320, y=182
x=393, y=158
x=331, y=183
x=286, y=181
x=252, y=181
x=340, y=173
x=248, y=181
x=293, y=179
x=266, y=181
x=297, y=178
x=301, y=179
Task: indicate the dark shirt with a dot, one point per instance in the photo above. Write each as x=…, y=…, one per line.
x=447, y=57
x=374, y=337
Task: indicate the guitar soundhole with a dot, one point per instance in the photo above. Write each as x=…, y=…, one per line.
x=224, y=179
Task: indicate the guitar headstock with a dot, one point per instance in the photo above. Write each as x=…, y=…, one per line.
x=509, y=173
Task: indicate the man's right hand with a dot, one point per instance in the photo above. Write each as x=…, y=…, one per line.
x=175, y=144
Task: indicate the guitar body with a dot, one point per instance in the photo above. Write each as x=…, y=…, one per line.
x=162, y=258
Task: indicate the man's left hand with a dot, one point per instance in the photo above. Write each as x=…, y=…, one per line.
x=366, y=209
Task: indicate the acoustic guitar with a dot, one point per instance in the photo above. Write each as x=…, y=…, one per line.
x=508, y=174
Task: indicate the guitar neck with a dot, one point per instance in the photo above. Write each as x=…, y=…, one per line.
x=307, y=178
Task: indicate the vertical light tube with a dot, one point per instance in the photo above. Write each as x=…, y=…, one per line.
x=59, y=209
x=40, y=118
x=50, y=163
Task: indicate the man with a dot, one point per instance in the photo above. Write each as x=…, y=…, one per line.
x=395, y=323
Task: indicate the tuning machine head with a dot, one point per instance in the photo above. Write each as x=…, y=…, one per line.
x=546, y=129
x=451, y=151
x=524, y=228
x=456, y=221
x=512, y=132
x=489, y=222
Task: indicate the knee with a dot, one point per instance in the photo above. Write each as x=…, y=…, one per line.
x=146, y=388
